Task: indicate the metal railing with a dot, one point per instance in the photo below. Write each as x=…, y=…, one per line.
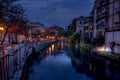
x=102, y=3
x=117, y=10
x=102, y=15
x=112, y=29
x=4, y=67
x=117, y=24
x=15, y=61
x=12, y=61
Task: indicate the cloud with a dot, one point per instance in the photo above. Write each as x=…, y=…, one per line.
x=59, y=12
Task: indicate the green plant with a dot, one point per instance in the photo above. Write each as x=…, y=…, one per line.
x=86, y=46
x=75, y=38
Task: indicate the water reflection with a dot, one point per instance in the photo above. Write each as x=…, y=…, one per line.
x=51, y=49
x=98, y=69
x=59, y=63
x=56, y=47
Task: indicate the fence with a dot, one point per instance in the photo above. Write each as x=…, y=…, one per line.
x=13, y=61
x=4, y=67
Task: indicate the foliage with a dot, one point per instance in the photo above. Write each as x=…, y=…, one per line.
x=75, y=38
x=72, y=27
x=100, y=40
x=6, y=7
x=36, y=33
x=63, y=33
x=87, y=40
x=87, y=47
x=12, y=15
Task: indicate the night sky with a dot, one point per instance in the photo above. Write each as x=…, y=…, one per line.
x=56, y=12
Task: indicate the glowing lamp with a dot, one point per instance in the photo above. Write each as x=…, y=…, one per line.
x=107, y=49
x=103, y=48
x=1, y=28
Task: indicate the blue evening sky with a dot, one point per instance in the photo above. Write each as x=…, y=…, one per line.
x=59, y=12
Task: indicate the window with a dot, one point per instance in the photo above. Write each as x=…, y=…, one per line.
x=80, y=22
x=91, y=27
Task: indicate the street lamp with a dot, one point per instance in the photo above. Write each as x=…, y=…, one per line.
x=1, y=31
x=1, y=27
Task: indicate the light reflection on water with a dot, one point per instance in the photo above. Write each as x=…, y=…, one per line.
x=57, y=65
x=51, y=49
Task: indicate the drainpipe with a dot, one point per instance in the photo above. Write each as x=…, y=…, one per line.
x=113, y=24
x=94, y=33
x=113, y=19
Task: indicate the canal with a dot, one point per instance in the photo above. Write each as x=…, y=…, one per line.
x=58, y=62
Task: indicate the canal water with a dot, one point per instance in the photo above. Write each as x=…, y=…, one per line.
x=58, y=62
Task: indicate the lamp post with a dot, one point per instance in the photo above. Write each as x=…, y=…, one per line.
x=1, y=28
x=1, y=31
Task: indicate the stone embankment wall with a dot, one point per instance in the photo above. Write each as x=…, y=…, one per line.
x=13, y=58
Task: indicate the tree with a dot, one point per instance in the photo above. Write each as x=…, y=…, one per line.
x=11, y=14
x=5, y=6
x=75, y=38
x=35, y=33
x=72, y=27
x=62, y=33
x=19, y=28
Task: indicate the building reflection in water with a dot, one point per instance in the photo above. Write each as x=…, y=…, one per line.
x=56, y=47
x=86, y=64
x=90, y=66
x=51, y=49
x=96, y=68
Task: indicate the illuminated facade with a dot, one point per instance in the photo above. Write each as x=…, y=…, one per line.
x=36, y=28
x=80, y=24
x=52, y=32
x=112, y=36
x=84, y=25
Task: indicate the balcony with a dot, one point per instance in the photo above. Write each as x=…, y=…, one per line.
x=102, y=15
x=117, y=10
x=116, y=28
x=102, y=3
x=102, y=25
x=117, y=24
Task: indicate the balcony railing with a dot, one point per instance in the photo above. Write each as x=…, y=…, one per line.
x=102, y=25
x=117, y=24
x=116, y=28
x=103, y=3
x=102, y=15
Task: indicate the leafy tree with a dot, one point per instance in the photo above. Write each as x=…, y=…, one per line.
x=35, y=33
x=62, y=33
x=11, y=14
x=72, y=27
x=75, y=38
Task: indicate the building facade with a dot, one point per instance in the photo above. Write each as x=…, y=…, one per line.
x=112, y=32
x=53, y=32
x=37, y=26
x=36, y=30
x=88, y=29
x=84, y=25
x=101, y=17
x=104, y=21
